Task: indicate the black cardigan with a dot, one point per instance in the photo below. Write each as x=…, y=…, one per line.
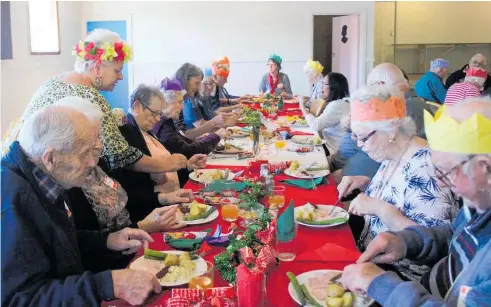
x=139, y=186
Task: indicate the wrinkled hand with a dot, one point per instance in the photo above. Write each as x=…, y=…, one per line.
x=366, y=205
x=224, y=134
x=128, y=240
x=218, y=120
x=134, y=286
x=197, y=161
x=357, y=277
x=230, y=120
x=350, y=183
x=176, y=197
x=176, y=162
x=161, y=219
x=385, y=248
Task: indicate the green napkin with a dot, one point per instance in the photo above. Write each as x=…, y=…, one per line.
x=302, y=183
x=286, y=224
x=185, y=244
x=216, y=186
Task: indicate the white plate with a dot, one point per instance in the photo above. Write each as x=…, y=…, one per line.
x=359, y=301
x=336, y=213
x=154, y=266
x=302, y=139
x=210, y=218
x=206, y=179
x=298, y=125
x=315, y=174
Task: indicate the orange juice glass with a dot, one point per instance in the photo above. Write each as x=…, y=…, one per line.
x=277, y=196
x=203, y=278
x=230, y=210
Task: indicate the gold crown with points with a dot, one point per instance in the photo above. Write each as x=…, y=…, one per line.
x=471, y=136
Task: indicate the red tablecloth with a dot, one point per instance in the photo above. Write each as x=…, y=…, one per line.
x=339, y=239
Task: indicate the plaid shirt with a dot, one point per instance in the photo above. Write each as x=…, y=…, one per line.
x=51, y=189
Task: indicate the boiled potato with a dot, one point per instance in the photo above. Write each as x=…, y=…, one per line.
x=335, y=290
x=170, y=260
x=334, y=302
x=202, y=207
x=194, y=210
x=184, y=257
x=348, y=299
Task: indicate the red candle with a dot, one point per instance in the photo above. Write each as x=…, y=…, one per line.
x=251, y=288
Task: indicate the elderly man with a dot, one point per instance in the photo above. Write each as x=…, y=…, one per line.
x=460, y=140
x=220, y=70
x=430, y=85
x=478, y=60
x=41, y=249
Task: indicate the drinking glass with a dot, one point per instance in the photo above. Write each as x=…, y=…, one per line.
x=277, y=196
x=286, y=242
x=227, y=188
x=203, y=278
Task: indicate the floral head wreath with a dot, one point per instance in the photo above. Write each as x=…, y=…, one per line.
x=87, y=51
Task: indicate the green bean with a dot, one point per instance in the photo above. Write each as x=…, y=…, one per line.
x=151, y=254
x=309, y=297
x=297, y=287
x=325, y=222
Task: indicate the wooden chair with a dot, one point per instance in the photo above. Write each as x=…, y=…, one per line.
x=317, y=107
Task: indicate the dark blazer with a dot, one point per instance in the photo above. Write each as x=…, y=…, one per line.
x=139, y=186
x=41, y=249
x=459, y=75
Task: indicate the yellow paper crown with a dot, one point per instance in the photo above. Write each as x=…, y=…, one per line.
x=315, y=66
x=471, y=136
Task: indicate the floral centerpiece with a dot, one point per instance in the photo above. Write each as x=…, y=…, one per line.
x=253, y=119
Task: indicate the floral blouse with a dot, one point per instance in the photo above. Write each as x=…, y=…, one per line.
x=415, y=192
x=265, y=88
x=116, y=152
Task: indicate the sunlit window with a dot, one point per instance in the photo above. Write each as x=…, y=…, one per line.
x=43, y=27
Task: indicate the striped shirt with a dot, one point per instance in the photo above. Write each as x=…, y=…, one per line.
x=461, y=91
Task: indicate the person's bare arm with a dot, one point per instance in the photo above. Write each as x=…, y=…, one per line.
x=207, y=127
x=149, y=164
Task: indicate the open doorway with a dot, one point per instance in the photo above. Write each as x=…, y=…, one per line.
x=337, y=45
x=323, y=41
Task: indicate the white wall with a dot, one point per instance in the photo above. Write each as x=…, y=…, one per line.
x=22, y=75
x=167, y=34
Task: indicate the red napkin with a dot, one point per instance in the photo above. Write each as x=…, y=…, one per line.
x=289, y=113
x=329, y=252
x=300, y=133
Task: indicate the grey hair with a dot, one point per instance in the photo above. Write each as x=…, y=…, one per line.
x=50, y=127
x=383, y=93
x=186, y=72
x=479, y=55
x=144, y=93
x=82, y=105
x=479, y=82
x=98, y=37
x=436, y=70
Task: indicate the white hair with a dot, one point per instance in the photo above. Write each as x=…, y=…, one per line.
x=98, y=37
x=387, y=74
x=309, y=71
x=50, y=127
x=479, y=82
x=437, y=70
x=481, y=56
x=383, y=93
x=82, y=105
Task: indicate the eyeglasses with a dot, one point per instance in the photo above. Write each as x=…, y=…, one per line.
x=365, y=139
x=444, y=176
x=154, y=113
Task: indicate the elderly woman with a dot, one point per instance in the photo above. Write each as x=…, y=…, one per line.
x=99, y=62
x=167, y=131
x=404, y=191
x=191, y=120
x=43, y=253
x=471, y=87
x=208, y=90
x=458, y=252
x=313, y=70
x=149, y=191
x=430, y=86
x=275, y=82
x=335, y=91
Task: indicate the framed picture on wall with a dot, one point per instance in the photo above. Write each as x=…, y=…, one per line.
x=44, y=27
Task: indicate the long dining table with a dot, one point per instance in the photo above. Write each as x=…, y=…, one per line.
x=317, y=248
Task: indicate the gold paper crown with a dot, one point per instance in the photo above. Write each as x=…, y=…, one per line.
x=315, y=65
x=472, y=136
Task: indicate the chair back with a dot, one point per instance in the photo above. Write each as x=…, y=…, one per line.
x=317, y=107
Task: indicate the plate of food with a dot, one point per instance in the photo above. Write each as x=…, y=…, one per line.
x=229, y=148
x=298, y=171
x=302, y=149
x=238, y=132
x=320, y=216
x=172, y=268
x=299, y=123
x=211, y=174
x=196, y=213
x=302, y=140
x=319, y=289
